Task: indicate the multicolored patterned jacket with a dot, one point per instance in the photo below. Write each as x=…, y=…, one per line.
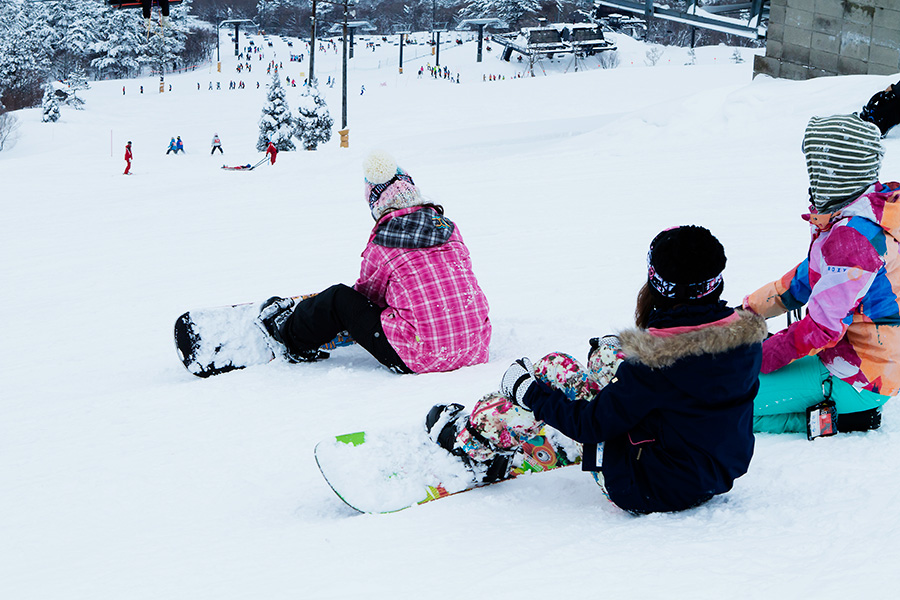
x=417, y=266
x=850, y=283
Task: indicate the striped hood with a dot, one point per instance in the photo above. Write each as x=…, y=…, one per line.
x=843, y=157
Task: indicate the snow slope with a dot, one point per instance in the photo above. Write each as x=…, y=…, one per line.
x=122, y=476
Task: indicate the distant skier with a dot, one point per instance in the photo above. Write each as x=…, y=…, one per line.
x=216, y=145
x=179, y=146
x=271, y=151
x=172, y=146
x=128, y=158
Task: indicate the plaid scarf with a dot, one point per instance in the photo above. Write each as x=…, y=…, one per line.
x=423, y=228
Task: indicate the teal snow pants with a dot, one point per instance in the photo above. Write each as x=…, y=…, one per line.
x=785, y=394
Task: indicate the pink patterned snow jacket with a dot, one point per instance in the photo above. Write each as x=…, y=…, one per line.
x=417, y=266
x=850, y=283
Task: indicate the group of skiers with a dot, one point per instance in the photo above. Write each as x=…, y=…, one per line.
x=438, y=72
x=177, y=145
x=666, y=411
x=232, y=85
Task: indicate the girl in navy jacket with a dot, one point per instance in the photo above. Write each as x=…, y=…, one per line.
x=674, y=425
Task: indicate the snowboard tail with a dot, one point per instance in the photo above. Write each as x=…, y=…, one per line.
x=218, y=340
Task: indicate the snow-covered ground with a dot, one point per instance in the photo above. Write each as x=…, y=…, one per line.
x=124, y=477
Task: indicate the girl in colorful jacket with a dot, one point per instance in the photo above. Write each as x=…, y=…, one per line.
x=416, y=307
x=846, y=347
x=665, y=430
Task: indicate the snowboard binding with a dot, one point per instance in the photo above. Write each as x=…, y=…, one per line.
x=486, y=440
x=273, y=314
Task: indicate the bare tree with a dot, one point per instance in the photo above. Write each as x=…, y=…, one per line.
x=8, y=126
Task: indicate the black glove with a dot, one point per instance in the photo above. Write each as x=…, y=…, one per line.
x=516, y=381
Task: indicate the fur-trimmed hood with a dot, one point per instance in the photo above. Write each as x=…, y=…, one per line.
x=661, y=348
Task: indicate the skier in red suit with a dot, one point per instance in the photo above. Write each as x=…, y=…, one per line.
x=127, y=158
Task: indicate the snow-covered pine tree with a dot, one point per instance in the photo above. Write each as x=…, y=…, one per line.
x=71, y=31
x=276, y=123
x=24, y=62
x=314, y=123
x=165, y=44
x=50, y=106
x=119, y=39
x=77, y=80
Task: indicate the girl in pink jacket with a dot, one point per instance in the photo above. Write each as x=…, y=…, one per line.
x=416, y=307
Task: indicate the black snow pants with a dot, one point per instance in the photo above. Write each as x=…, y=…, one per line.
x=317, y=320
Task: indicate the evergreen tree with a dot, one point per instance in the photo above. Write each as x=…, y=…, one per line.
x=50, y=106
x=276, y=123
x=119, y=41
x=163, y=47
x=314, y=123
x=77, y=81
x=70, y=33
x=122, y=46
x=24, y=63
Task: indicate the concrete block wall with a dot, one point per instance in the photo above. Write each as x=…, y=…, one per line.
x=814, y=38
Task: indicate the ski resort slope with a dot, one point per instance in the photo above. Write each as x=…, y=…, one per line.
x=124, y=477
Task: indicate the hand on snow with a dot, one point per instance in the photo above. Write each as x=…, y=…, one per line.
x=516, y=381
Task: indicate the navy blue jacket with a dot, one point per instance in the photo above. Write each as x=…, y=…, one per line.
x=677, y=421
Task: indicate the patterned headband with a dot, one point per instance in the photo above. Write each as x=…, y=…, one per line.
x=377, y=189
x=682, y=291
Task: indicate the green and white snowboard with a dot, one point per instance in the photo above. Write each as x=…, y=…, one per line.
x=384, y=472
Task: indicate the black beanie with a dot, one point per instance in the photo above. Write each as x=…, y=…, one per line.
x=686, y=263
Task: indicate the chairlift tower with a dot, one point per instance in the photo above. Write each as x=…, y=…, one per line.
x=349, y=7
x=403, y=30
x=480, y=24
x=237, y=28
x=352, y=27
x=437, y=30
